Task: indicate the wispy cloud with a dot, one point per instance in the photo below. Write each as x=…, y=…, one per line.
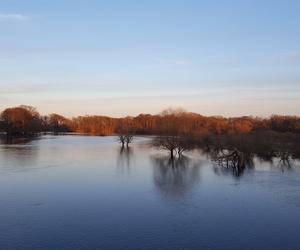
x=15, y=89
x=172, y=61
x=13, y=17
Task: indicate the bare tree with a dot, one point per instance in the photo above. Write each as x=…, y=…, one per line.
x=183, y=143
x=128, y=139
x=122, y=139
x=167, y=143
x=174, y=144
x=125, y=132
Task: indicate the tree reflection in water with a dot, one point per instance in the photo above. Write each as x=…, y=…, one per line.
x=221, y=168
x=19, y=153
x=174, y=177
x=237, y=161
x=4, y=140
x=124, y=158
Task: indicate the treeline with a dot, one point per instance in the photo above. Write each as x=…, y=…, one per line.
x=26, y=121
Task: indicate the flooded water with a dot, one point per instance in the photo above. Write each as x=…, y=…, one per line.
x=76, y=192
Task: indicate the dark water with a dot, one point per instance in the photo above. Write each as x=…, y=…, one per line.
x=75, y=192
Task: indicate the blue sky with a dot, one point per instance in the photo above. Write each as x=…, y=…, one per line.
x=128, y=57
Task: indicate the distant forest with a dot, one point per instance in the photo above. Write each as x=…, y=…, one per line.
x=26, y=121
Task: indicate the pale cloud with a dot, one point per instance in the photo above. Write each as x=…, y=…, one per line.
x=13, y=17
x=13, y=89
x=291, y=57
x=172, y=61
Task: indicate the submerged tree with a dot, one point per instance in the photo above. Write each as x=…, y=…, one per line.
x=168, y=143
x=128, y=139
x=237, y=152
x=184, y=143
x=125, y=132
x=174, y=144
x=175, y=136
x=121, y=139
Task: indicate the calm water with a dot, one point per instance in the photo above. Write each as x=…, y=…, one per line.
x=76, y=192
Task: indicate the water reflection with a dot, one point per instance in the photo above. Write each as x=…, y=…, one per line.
x=236, y=171
x=227, y=163
x=174, y=177
x=125, y=158
x=235, y=162
x=19, y=154
x=15, y=140
x=285, y=159
x=80, y=195
x=236, y=152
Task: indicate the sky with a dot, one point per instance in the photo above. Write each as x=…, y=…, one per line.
x=117, y=58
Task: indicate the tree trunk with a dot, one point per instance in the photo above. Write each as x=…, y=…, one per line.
x=172, y=154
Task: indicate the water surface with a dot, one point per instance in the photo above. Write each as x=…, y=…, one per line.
x=76, y=192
